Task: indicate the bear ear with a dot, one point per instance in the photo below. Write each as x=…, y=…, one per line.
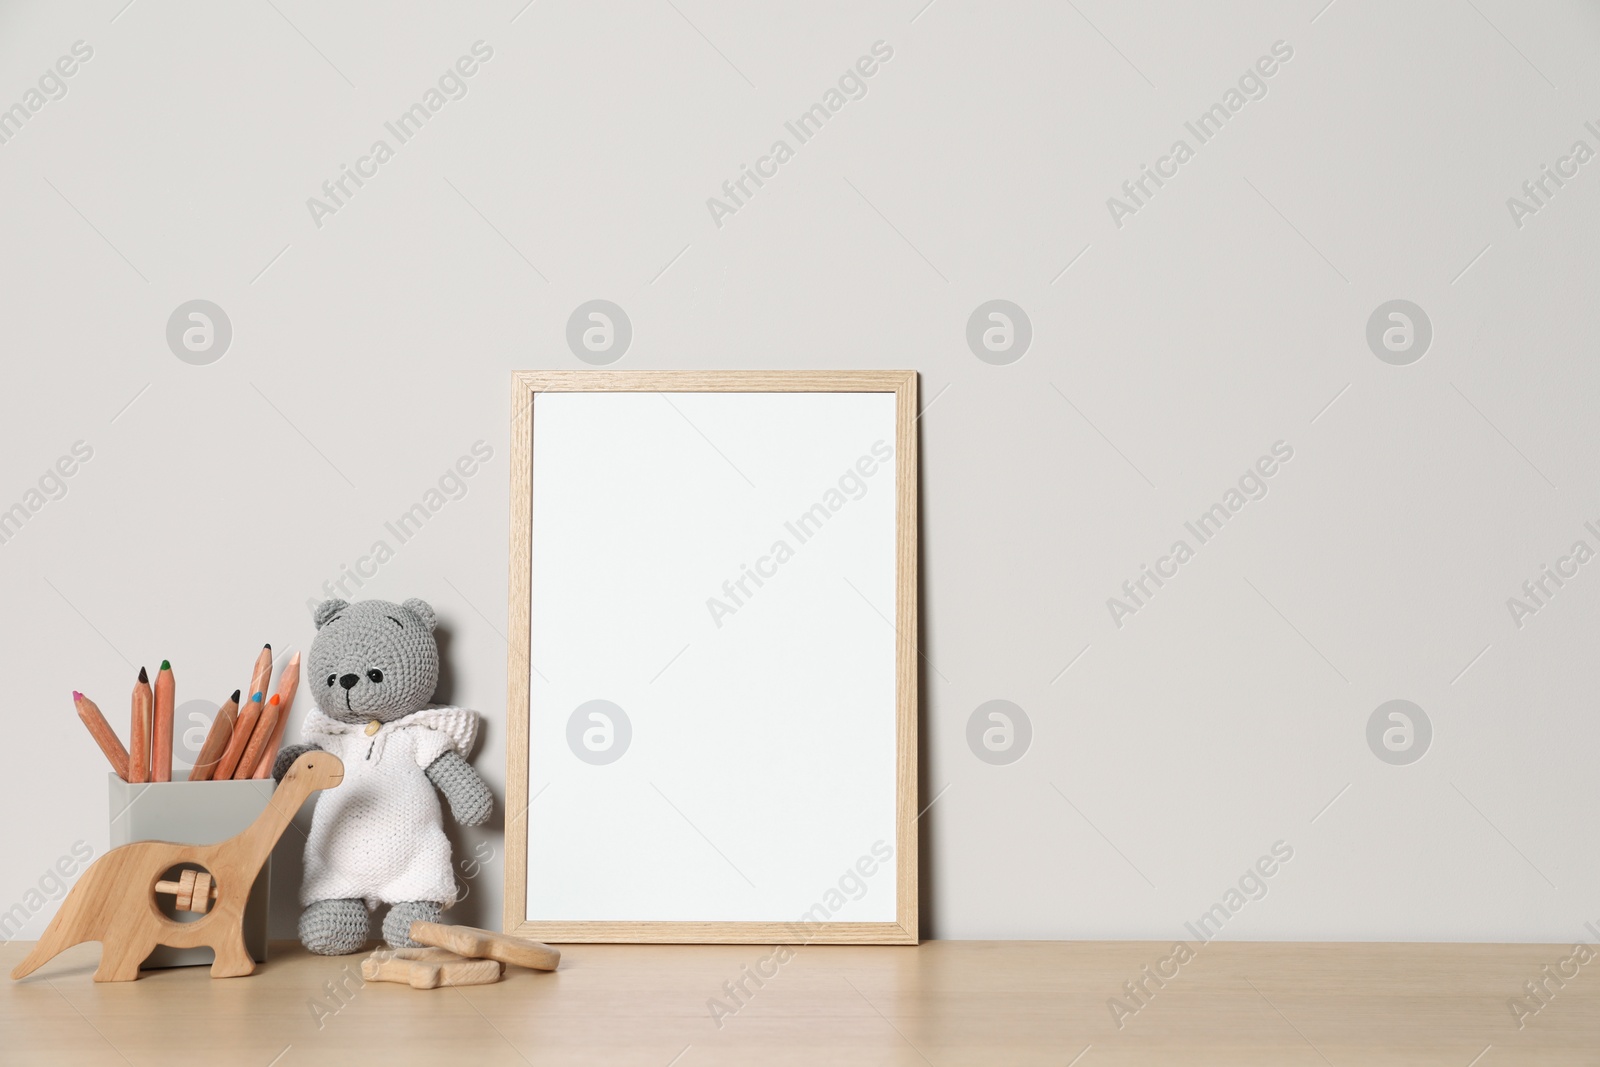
x=327, y=610
x=421, y=609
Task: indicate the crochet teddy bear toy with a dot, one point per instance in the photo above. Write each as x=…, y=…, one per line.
x=379, y=838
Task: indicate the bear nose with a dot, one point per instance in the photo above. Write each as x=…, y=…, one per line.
x=349, y=680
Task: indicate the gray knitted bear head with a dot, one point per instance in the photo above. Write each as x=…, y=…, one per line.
x=373, y=659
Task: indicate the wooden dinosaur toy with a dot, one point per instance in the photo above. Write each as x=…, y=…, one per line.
x=114, y=900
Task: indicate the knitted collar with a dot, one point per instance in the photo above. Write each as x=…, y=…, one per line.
x=459, y=725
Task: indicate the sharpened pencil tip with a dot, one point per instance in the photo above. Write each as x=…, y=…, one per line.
x=267, y=647
x=76, y=696
x=256, y=699
x=235, y=697
x=166, y=665
x=143, y=677
x=274, y=700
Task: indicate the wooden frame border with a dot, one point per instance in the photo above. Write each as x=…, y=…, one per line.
x=525, y=386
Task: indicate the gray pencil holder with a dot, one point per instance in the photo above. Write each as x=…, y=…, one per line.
x=194, y=813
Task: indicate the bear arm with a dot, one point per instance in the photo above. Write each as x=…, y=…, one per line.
x=470, y=799
x=288, y=755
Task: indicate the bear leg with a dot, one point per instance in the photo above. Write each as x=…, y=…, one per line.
x=334, y=927
x=397, y=924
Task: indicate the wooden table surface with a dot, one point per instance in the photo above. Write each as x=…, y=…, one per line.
x=944, y=1002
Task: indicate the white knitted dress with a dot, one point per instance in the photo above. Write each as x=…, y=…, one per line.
x=379, y=835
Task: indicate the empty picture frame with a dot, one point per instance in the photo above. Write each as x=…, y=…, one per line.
x=712, y=689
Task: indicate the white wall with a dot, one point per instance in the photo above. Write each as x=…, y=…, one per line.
x=1227, y=314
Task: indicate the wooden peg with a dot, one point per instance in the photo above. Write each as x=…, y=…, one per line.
x=185, y=894
x=204, y=892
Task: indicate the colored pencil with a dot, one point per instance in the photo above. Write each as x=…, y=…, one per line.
x=217, y=739
x=103, y=734
x=161, y=729
x=242, y=729
x=260, y=738
x=139, y=732
x=261, y=676
x=288, y=683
